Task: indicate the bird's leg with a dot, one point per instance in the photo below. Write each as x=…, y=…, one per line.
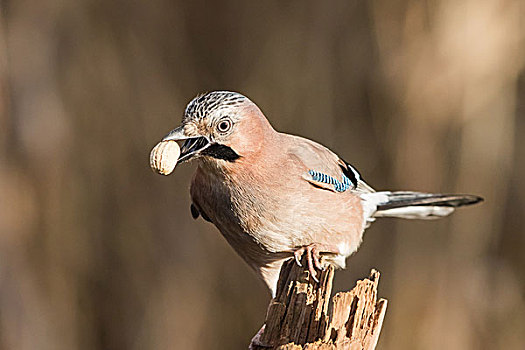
x=313, y=258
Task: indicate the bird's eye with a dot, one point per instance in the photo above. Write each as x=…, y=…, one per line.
x=224, y=125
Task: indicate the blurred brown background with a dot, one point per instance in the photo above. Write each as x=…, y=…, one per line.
x=98, y=252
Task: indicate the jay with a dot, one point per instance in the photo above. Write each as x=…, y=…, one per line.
x=276, y=196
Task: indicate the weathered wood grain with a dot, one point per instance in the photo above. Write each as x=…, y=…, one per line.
x=302, y=316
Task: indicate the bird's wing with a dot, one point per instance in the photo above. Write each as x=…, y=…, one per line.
x=324, y=169
x=354, y=175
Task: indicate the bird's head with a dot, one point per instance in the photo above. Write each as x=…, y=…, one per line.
x=221, y=126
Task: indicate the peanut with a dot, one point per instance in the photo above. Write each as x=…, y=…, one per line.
x=164, y=156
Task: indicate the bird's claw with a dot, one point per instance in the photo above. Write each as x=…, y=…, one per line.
x=313, y=257
x=297, y=256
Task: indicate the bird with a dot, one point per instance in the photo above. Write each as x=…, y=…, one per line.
x=276, y=196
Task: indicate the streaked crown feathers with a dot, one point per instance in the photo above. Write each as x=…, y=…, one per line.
x=205, y=104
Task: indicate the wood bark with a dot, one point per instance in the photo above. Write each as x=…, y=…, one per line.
x=303, y=316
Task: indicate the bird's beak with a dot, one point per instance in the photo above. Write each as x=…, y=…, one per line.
x=192, y=144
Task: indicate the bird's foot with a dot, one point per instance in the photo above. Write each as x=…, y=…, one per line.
x=313, y=258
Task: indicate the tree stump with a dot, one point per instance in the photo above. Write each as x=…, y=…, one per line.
x=302, y=317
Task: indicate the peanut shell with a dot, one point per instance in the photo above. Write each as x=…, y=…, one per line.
x=164, y=156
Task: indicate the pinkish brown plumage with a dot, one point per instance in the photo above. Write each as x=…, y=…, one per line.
x=272, y=194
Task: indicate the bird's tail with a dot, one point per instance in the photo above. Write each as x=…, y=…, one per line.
x=418, y=205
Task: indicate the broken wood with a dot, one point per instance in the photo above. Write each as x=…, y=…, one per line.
x=302, y=317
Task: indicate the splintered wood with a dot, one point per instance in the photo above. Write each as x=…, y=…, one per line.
x=301, y=317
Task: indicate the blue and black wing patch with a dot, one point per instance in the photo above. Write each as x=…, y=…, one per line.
x=350, y=178
x=329, y=182
x=338, y=186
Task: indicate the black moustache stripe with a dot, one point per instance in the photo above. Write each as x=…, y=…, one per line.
x=219, y=151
